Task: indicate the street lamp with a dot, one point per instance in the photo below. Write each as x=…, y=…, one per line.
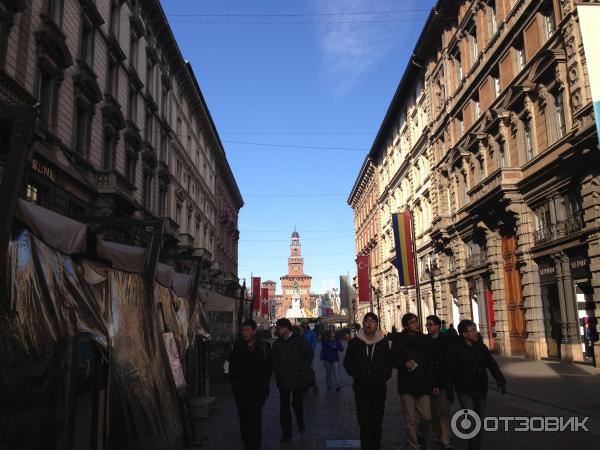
x=433, y=271
x=377, y=296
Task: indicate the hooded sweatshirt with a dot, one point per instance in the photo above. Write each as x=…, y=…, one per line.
x=368, y=362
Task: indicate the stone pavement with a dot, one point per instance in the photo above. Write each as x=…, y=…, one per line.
x=535, y=388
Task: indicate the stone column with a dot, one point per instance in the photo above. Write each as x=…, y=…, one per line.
x=570, y=344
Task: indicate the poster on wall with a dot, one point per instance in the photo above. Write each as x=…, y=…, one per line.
x=589, y=18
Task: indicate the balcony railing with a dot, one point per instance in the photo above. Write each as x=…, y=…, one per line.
x=477, y=259
x=559, y=230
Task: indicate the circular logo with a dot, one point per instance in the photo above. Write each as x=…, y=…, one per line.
x=466, y=423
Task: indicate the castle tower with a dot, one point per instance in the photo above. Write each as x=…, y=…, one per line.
x=296, y=283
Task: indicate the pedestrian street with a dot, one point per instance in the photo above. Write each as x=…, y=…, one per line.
x=534, y=389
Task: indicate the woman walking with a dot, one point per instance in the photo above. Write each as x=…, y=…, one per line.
x=330, y=348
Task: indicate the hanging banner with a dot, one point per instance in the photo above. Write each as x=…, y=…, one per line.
x=364, y=291
x=589, y=18
x=344, y=292
x=256, y=293
x=401, y=224
x=264, y=305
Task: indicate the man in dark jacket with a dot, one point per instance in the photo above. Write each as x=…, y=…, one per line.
x=368, y=362
x=250, y=367
x=469, y=363
x=439, y=344
x=292, y=357
x=410, y=355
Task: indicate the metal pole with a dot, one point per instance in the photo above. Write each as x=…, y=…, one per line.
x=417, y=286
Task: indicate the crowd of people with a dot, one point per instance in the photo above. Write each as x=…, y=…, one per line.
x=432, y=369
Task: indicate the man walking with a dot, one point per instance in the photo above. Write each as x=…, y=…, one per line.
x=250, y=367
x=292, y=357
x=470, y=361
x=439, y=344
x=410, y=355
x=368, y=362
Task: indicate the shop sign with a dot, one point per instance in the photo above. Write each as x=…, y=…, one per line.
x=579, y=266
x=547, y=274
x=43, y=169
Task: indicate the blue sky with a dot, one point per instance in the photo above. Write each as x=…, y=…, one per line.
x=297, y=73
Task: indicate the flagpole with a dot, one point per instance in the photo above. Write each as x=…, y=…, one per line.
x=417, y=285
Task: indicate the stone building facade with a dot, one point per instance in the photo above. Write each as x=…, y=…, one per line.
x=506, y=205
x=122, y=128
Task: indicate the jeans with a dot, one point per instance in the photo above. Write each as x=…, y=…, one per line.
x=369, y=409
x=333, y=373
x=249, y=406
x=475, y=401
x=417, y=415
x=440, y=409
x=285, y=413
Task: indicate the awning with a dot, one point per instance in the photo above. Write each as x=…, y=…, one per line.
x=335, y=318
x=216, y=302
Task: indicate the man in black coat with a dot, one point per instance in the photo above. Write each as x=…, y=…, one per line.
x=292, y=358
x=439, y=344
x=410, y=355
x=250, y=367
x=469, y=363
x=368, y=362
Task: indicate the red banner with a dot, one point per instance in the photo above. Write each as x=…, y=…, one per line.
x=364, y=291
x=264, y=305
x=256, y=293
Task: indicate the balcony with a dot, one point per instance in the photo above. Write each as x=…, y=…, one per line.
x=478, y=259
x=559, y=230
x=112, y=182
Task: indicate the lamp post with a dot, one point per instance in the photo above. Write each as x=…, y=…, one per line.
x=377, y=296
x=432, y=270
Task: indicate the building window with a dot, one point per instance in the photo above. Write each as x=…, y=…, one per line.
x=130, y=166
x=528, y=136
x=148, y=128
x=87, y=44
x=178, y=213
x=477, y=107
x=132, y=104
x=549, y=20
x=113, y=77
x=559, y=111
x=46, y=94
x=163, y=147
x=113, y=20
x=520, y=55
x=496, y=79
x=481, y=169
x=465, y=188
x=502, y=153
x=133, y=51
x=472, y=32
x=178, y=171
x=457, y=66
x=110, y=148
x=164, y=102
x=178, y=128
x=82, y=131
x=54, y=10
x=162, y=201
x=32, y=194
x=493, y=16
x=543, y=219
x=149, y=79
x=147, y=189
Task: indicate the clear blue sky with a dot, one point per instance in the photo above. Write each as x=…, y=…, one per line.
x=297, y=73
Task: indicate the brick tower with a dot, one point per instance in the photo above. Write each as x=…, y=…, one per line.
x=295, y=278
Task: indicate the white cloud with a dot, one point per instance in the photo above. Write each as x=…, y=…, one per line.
x=350, y=50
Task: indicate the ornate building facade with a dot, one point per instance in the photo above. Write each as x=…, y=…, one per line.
x=502, y=176
x=296, y=282
x=122, y=128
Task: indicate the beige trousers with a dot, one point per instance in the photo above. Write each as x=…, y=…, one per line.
x=417, y=415
x=440, y=409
